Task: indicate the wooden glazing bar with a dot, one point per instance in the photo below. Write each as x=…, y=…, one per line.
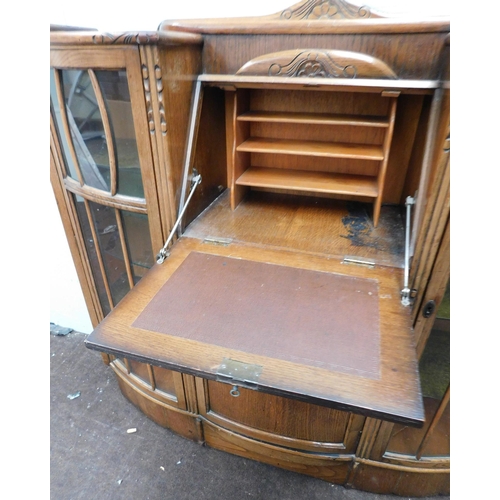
x=137, y=205
x=107, y=130
x=123, y=242
x=98, y=253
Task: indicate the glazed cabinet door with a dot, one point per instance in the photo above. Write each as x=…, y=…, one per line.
x=103, y=175
x=105, y=165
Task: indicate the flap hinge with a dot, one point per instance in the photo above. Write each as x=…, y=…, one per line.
x=358, y=262
x=214, y=240
x=238, y=373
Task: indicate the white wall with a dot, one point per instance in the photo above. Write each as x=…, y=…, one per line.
x=67, y=306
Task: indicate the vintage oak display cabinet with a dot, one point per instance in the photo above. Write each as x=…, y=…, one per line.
x=258, y=211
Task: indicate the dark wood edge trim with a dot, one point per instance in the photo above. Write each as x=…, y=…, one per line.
x=262, y=26
x=314, y=83
x=414, y=421
x=99, y=38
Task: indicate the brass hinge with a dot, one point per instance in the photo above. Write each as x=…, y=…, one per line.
x=358, y=262
x=238, y=374
x=214, y=240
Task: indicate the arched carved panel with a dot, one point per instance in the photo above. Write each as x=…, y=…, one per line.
x=317, y=63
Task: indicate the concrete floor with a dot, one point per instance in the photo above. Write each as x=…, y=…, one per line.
x=93, y=457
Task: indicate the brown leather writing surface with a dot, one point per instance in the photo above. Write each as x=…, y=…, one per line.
x=315, y=318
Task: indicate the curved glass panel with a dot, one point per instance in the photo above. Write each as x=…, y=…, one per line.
x=136, y=229
x=114, y=87
x=63, y=140
x=86, y=127
x=92, y=253
x=106, y=227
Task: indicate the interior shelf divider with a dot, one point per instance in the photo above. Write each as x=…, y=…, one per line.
x=309, y=181
x=312, y=148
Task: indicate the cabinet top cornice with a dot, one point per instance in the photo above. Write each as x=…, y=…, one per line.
x=313, y=17
x=87, y=36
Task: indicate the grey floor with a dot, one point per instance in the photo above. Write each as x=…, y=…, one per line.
x=93, y=457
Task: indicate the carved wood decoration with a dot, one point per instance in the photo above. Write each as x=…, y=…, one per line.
x=133, y=38
x=324, y=9
x=317, y=63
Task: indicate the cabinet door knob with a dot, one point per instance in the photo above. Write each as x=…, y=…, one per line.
x=429, y=308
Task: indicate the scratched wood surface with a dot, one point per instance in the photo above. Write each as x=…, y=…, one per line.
x=312, y=225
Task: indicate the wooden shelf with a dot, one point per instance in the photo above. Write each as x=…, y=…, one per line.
x=299, y=152
x=312, y=148
x=301, y=180
x=314, y=118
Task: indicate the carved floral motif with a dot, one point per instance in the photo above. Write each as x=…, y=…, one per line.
x=313, y=64
x=325, y=9
x=139, y=38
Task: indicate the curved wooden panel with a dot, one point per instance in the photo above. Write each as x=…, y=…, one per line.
x=330, y=468
x=179, y=421
x=317, y=63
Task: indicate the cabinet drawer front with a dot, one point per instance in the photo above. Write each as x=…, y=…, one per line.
x=279, y=420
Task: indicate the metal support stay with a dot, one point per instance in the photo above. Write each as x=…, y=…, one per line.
x=164, y=253
x=406, y=292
